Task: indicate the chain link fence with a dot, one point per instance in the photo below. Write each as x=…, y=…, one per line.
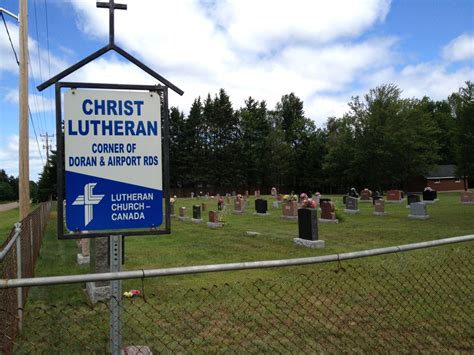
x=18, y=256
x=416, y=301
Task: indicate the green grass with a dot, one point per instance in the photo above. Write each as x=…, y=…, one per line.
x=191, y=244
x=7, y=221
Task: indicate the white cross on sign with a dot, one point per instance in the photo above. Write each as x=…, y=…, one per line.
x=88, y=200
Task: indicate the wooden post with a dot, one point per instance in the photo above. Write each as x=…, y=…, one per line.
x=24, y=159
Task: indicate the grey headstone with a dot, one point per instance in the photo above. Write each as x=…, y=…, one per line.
x=100, y=290
x=352, y=205
x=418, y=210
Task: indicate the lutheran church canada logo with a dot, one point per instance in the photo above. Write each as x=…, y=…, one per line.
x=88, y=200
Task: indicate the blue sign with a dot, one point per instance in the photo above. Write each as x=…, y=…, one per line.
x=113, y=161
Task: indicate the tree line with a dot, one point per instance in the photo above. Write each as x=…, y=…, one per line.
x=380, y=142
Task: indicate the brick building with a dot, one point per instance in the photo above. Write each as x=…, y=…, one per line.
x=441, y=178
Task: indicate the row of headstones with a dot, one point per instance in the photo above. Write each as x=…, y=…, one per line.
x=227, y=195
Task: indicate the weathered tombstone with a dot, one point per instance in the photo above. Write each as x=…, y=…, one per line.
x=379, y=206
x=227, y=199
x=196, y=214
x=239, y=206
x=214, y=220
x=274, y=192
x=366, y=195
x=290, y=210
x=247, y=193
x=308, y=229
x=412, y=199
x=182, y=214
x=234, y=193
x=467, y=197
x=172, y=210
x=257, y=194
x=203, y=207
x=352, y=205
x=99, y=290
x=328, y=212
x=394, y=196
x=418, y=210
x=261, y=207
x=430, y=196
x=192, y=194
x=84, y=256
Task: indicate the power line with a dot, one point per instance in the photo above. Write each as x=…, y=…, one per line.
x=38, y=48
x=49, y=59
x=29, y=110
x=9, y=37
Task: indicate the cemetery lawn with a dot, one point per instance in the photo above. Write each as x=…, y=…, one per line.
x=7, y=221
x=195, y=244
x=50, y=308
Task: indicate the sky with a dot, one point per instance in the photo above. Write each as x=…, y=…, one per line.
x=324, y=51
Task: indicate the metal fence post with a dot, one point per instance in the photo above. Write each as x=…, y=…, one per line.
x=115, y=301
x=19, y=291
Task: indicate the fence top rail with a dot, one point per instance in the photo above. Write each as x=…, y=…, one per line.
x=11, y=242
x=135, y=274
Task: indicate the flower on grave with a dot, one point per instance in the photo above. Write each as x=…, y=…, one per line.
x=290, y=198
x=303, y=196
x=135, y=292
x=172, y=200
x=127, y=294
x=308, y=203
x=239, y=196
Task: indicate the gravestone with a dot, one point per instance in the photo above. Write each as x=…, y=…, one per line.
x=261, y=207
x=352, y=205
x=234, y=193
x=366, y=195
x=220, y=204
x=239, y=206
x=84, y=256
x=290, y=210
x=196, y=214
x=379, y=206
x=203, y=207
x=412, y=199
x=172, y=210
x=99, y=290
x=214, y=220
x=323, y=200
x=394, y=196
x=328, y=212
x=375, y=196
x=192, y=194
x=467, y=197
x=274, y=192
x=430, y=196
x=308, y=229
x=418, y=210
x=247, y=193
x=182, y=214
x=257, y=194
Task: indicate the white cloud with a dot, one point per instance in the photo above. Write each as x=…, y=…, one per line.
x=321, y=50
x=39, y=69
x=424, y=79
x=9, y=157
x=460, y=48
x=37, y=103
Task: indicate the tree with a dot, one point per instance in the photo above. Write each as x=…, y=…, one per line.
x=47, y=183
x=254, y=128
x=462, y=104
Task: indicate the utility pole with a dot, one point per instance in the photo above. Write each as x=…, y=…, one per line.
x=47, y=146
x=24, y=158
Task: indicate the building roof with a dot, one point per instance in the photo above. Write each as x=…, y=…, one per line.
x=442, y=172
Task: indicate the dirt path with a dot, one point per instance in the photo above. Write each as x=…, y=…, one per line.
x=8, y=206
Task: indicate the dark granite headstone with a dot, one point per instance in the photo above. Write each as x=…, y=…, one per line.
x=412, y=199
x=261, y=206
x=430, y=195
x=197, y=212
x=307, y=224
